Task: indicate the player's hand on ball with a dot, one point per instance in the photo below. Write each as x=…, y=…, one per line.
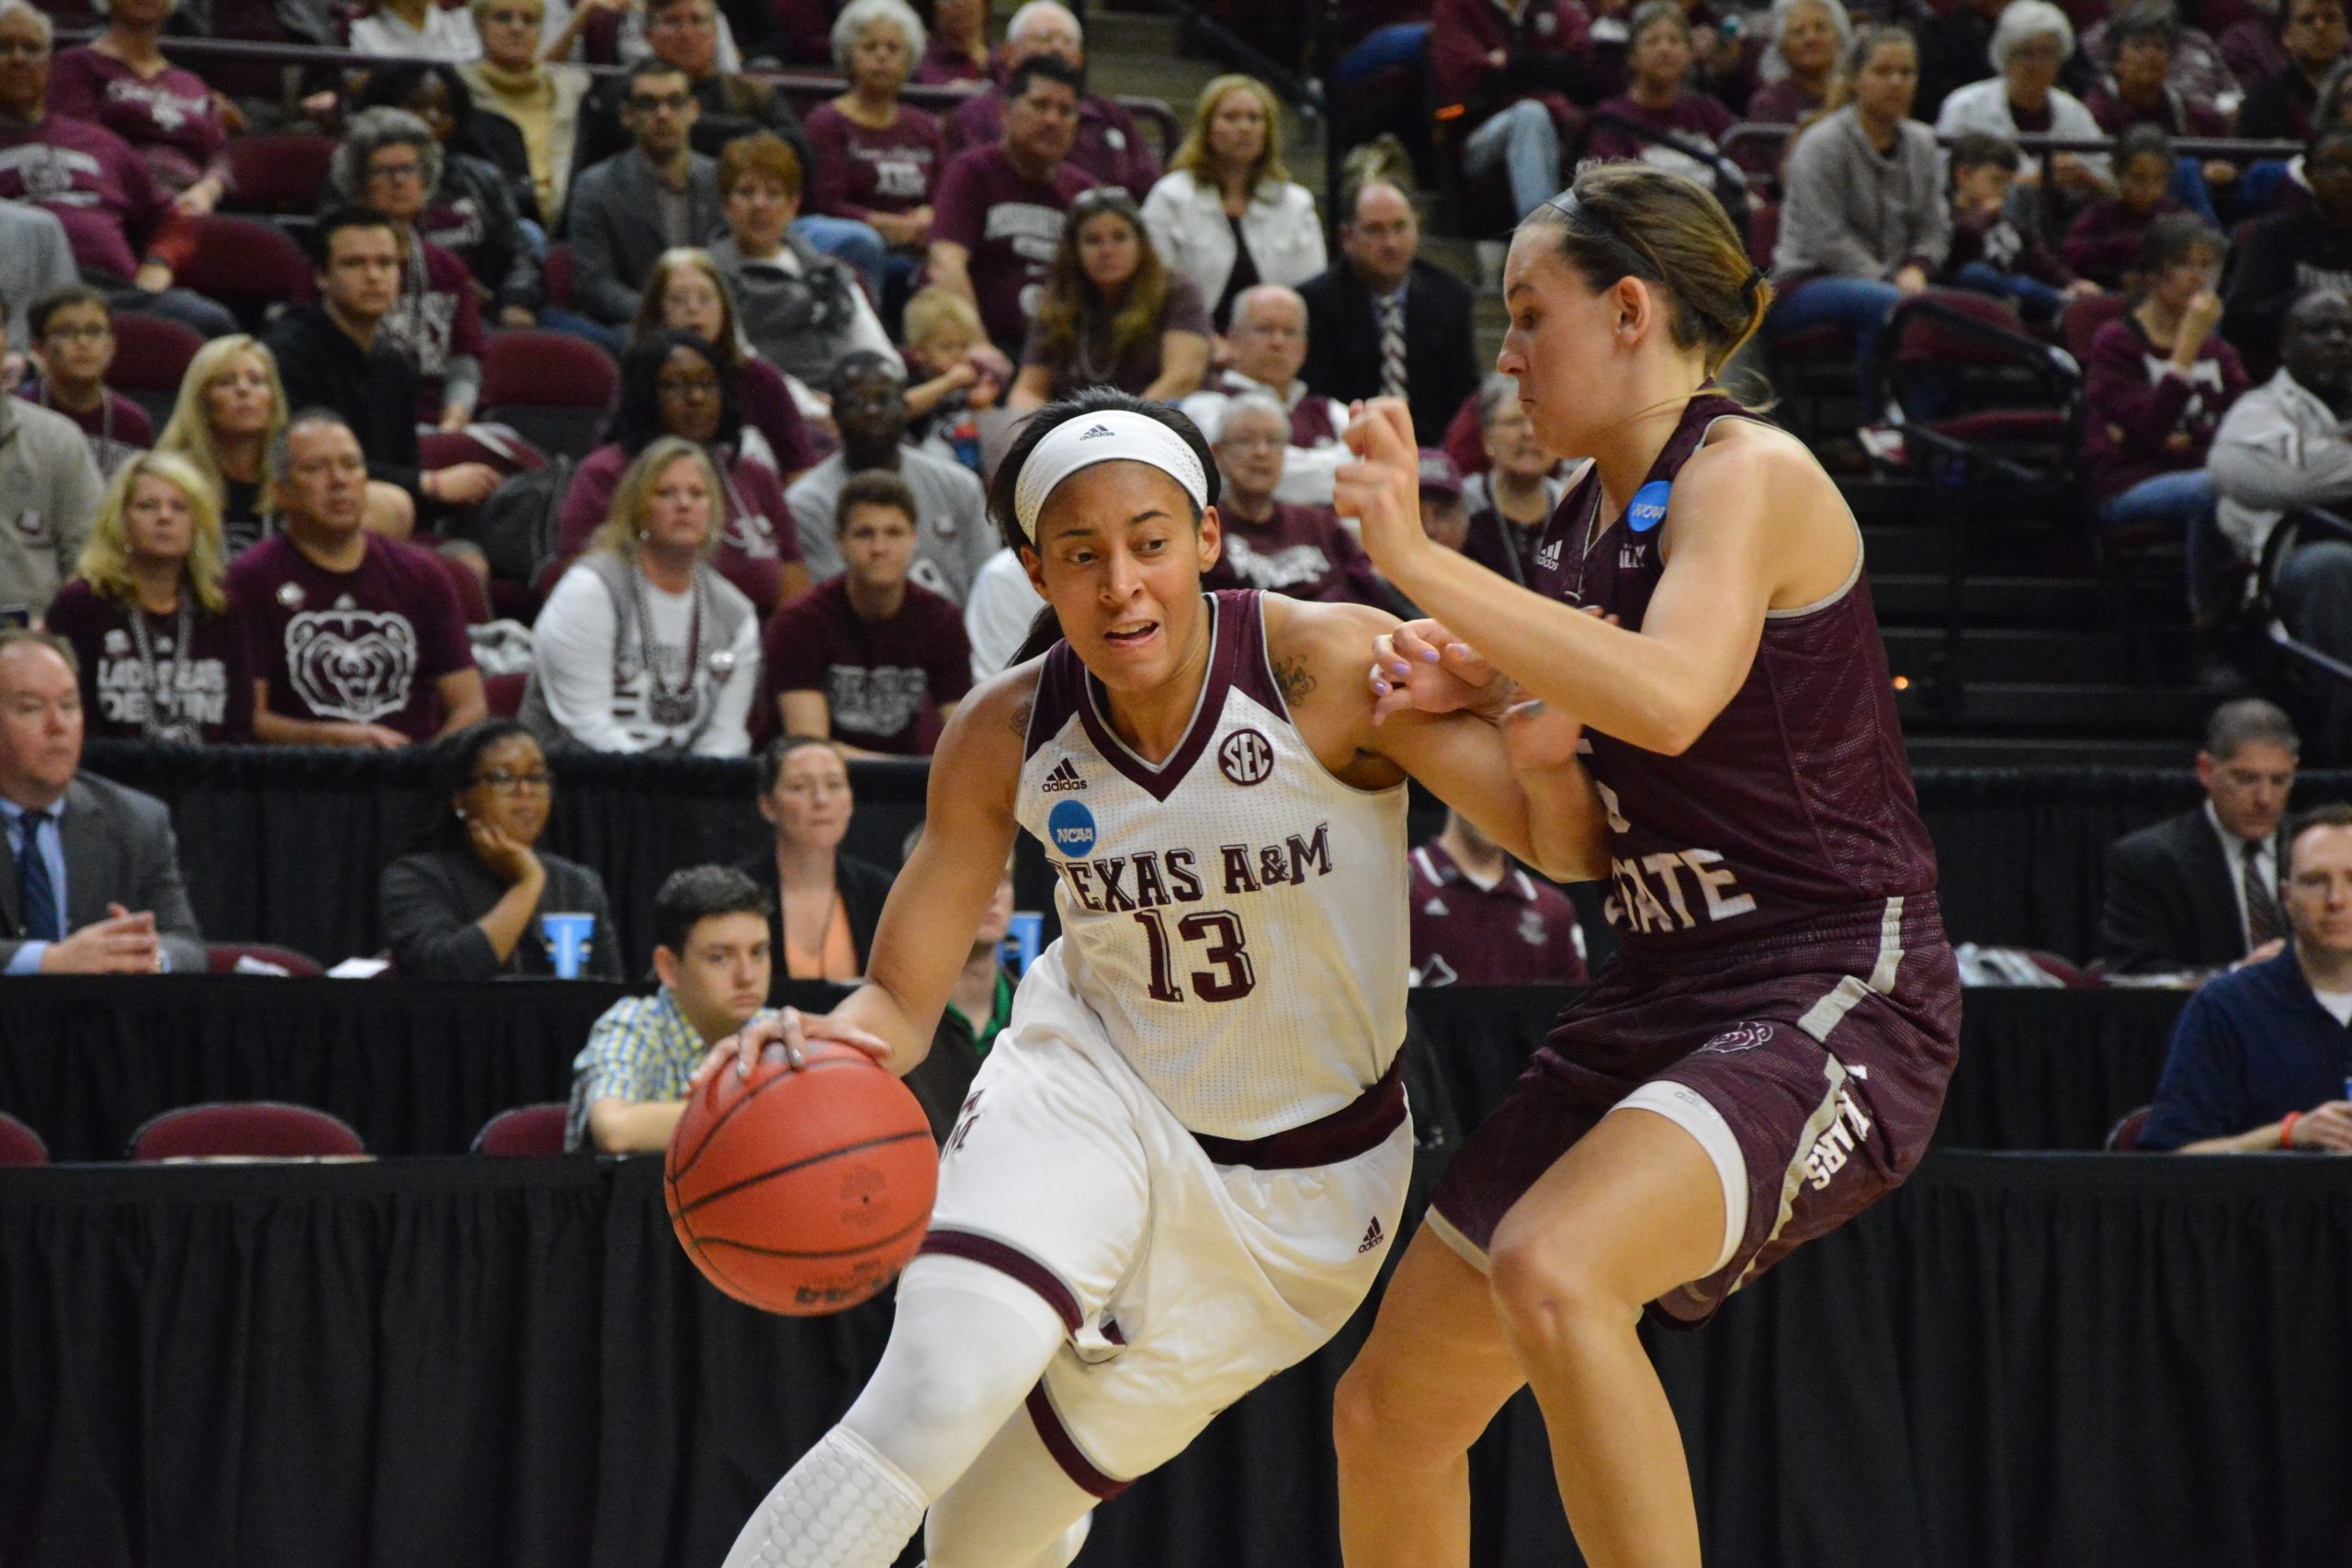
x=1424, y=667
x=788, y=1034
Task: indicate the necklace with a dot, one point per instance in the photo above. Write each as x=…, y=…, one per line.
x=670, y=703
x=163, y=694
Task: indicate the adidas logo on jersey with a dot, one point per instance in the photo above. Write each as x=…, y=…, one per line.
x=1372, y=1236
x=1548, y=557
x=1063, y=779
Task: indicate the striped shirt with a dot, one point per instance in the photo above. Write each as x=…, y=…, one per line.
x=642, y=1050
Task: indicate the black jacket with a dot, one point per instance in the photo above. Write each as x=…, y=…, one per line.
x=864, y=888
x=2171, y=900
x=432, y=900
x=1441, y=344
x=375, y=390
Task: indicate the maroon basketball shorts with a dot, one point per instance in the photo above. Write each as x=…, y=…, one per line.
x=1810, y=1065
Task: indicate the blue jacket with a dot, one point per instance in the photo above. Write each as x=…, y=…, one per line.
x=2249, y=1048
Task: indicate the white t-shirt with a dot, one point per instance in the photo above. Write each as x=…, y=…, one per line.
x=446, y=35
x=999, y=613
x=2337, y=1003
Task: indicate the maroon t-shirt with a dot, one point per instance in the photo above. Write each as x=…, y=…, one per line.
x=757, y=535
x=943, y=67
x=1009, y=227
x=1300, y=552
x=171, y=118
x=207, y=689
x=99, y=189
x=1518, y=933
x=437, y=316
x=884, y=682
x=1108, y=148
x=861, y=170
x=1092, y=363
x=359, y=646
x=1695, y=118
x=116, y=430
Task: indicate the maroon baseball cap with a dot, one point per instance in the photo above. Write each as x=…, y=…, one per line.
x=1440, y=473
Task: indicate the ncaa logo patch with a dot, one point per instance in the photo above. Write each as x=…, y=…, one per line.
x=1739, y=1037
x=1649, y=506
x=1071, y=830
x=1246, y=758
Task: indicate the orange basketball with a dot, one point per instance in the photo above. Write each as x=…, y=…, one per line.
x=802, y=1192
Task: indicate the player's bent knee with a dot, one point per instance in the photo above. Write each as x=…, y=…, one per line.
x=1547, y=1287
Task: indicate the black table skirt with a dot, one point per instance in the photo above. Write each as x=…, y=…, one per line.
x=2018, y=1361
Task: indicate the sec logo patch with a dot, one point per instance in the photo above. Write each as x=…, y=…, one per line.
x=1246, y=758
x=1070, y=827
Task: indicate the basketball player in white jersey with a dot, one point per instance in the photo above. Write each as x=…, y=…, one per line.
x=1181, y=1165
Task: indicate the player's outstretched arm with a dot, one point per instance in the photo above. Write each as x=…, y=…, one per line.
x=935, y=904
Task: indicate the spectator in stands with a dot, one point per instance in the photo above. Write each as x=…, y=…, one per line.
x=1507, y=69
x=1108, y=147
x=2196, y=891
x=1227, y=215
x=540, y=98
x=1991, y=251
x=2158, y=382
x=2262, y=1059
x=1800, y=69
x=1384, y=324
x=1000, y=613
x=1265, y=344
x=879, y=160
x=1954, y=44
x=2104, y=240
x=2140, y=47
x=49, y=489
x=2031, y=41
x=801, y=310
x=958, y=55
x=2197, y=70
x=476, y=205
x=126, y=235
x=121, y=81
x=390, y=164
x=466, y=902
x=416, y=30
x=657, y=195
x=1661, y=120
x=1865, y=225
x=628, y=1086
x=335, y=354
x=953, y=538
x=1511, y=504
x=1112, y=314
x=685, y=292
x=2301, y=247
x=160, y=657
x=73, y=331
x=1300, y=551
x=1480, y=921
x=954, y=374
x=2312, y=36
x=674, y=386
x=998, y=212
x=354, y=639
x=870, y=658
x=34, y=261
x=823, y=905
x=643, y=647
x=95, y=886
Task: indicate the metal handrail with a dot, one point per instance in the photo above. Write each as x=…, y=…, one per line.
x=2231, y=149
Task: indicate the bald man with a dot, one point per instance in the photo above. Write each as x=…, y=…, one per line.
x=1109, y=148
x=1383, y=322
x=1267, y=341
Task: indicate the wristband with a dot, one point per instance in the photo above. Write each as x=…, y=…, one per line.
x=2287, y=1129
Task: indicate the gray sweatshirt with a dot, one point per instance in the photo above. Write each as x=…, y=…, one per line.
x=49, y=491
x=2279, y=449
x=1852, y=211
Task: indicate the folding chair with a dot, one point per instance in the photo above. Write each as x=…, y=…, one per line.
x=260, y=1129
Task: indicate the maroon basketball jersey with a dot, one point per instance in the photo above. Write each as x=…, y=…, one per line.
x=1795, y=806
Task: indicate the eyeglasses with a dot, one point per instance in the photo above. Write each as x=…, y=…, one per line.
x=86, y=332
x=503, y=783
x=515, y=19
x=1254, y=443
x=396, y=171
x=688, y=386
x=650, y=103
x=23, y=47
x=1103, y=198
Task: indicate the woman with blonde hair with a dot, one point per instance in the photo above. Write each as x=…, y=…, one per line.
x=1226, y=214
x=161, y=658
x=231, y=407
x=1113, y=314
x=643, y=646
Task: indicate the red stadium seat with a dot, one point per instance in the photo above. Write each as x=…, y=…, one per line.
x=260, y=1129
x=2124, y=1136
x=552, y=388
x=150, y=356
x=504, y=692
x=557, y=273
x=527, y=1132
x=2084, y=317
x=278, y=173
x=20, y=1145
x=222, y=957
x=248, y=265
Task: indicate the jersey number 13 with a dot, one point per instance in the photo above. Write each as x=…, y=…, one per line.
x=1223, y=945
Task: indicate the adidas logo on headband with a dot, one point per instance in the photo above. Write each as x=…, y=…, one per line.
x=1098, y=430
x=1139, y=438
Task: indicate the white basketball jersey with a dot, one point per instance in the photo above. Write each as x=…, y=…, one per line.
x=1236, y=915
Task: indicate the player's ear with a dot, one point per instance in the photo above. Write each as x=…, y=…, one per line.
x=1637, y=305
x=1211, y=533
x=1035, y=565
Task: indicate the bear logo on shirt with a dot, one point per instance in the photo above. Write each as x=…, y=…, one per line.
x=352, y=664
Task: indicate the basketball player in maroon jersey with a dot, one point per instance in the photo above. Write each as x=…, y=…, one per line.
x=1767, y=1055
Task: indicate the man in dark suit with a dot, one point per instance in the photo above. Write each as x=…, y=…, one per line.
x=2197, y=891
x=93, y=884
x=629, y=209
x=1384, y=324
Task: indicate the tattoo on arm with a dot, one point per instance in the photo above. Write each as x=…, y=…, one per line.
x=1293, y=679
x=1020, y=720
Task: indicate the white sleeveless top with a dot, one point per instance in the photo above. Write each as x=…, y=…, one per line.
x=1236, y=917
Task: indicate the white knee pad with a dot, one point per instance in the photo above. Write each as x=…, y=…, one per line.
x=843, y=1505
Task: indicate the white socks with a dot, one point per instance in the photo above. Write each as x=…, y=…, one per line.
x=843, y=1505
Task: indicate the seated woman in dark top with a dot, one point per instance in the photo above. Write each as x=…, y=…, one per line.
x=826, y=904
x=472, y=902
x=1113, y=313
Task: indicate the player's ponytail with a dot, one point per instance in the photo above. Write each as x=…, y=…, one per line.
x=1631, y=221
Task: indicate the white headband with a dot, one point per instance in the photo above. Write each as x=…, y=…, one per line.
x=1115, y=435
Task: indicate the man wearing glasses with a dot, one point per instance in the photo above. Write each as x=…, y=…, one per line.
x=629, y=209
x=1266, y=341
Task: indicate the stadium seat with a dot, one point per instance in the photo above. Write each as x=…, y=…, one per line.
x=2124, y=1136
x=527, y=1132
x=552, y=388
x=556, y=270
x=20, y=1145
x=274, y=175
x=223, y=958
x=259, y=1129
x=2084, y=318
x=248, y=265
x=150, y=356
